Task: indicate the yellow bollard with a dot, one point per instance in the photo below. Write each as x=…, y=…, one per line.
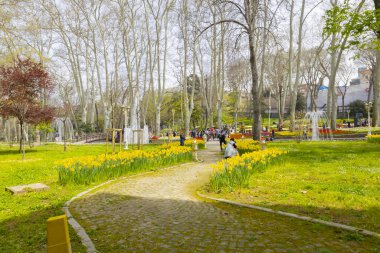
x=58, y=235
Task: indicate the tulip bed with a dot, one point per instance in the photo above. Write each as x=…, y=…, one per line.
x=88, y=169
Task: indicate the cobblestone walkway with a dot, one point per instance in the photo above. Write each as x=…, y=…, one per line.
x=159, y=212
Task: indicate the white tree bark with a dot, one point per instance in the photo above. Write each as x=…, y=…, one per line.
x=293, y=96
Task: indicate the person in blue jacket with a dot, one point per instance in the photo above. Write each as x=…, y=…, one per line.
x=182, y=138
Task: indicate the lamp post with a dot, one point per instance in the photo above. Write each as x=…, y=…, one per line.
x=348, y=114
x=125, y=109
x=368, y=107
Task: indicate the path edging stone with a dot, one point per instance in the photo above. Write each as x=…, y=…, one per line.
x=80, y=231
x=292, y=215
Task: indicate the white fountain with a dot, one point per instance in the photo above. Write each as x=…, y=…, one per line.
x=60, y=125
x=313, y=121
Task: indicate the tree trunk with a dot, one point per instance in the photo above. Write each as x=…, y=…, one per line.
x=290, y=61
x=64, y=136
x=370, y=88
x=22, y=148
x=92, y=116
x=158, y=120
x=221, y=83
x=331, y=81
x=334, y=108
x=184, y=29
x=376, y=85
x=256, y=127
x=219, y=113
x=293, y=96
x=280, y=118
x=236, y=121
x=331, y=92
x=106, y=115
x=280, y=110
x=313, y=104
x=84, y=113
x=237, y=104
x=376, y=88
x=97, y=116
x=133, y=113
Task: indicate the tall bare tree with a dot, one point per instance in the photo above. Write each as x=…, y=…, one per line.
x=376, y=86
x=159, y=11
x=247, y=12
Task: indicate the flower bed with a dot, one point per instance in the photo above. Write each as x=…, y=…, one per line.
x=361, y=129
x=200, y=142
x=337, y=131
x=238, y=136
x=245, y=146
x=374, y=138
x=286, y=134
x=85, y=170
x=188, y=143
x=235, y=172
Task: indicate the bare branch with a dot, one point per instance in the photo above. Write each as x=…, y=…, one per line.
x=221, y=22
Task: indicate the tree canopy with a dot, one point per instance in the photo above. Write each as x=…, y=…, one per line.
x=24, y=85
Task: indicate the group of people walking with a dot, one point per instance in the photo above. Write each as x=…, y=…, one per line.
x=211, y=133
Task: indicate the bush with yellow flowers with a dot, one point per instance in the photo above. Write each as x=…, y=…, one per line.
x=373, y=138
x=84, y=170
x=235, y=172
x=247, y=145
x=200, y=143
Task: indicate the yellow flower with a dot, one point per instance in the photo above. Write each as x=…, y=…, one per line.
x=122, y=158
x=373, y=136
x=248, y=159
x=249, y=145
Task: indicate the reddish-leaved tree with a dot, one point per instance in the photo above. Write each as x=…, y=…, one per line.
x=23, y=85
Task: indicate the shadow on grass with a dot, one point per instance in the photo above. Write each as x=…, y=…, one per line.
x=28, y=233
x=16, y=151
x=331, y=150
x=368, y=219
x=123, y=223
x=120, y=223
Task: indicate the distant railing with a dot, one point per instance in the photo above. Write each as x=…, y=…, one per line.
x=90, y=137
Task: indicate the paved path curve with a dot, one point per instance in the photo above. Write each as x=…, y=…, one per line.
x=159, y=212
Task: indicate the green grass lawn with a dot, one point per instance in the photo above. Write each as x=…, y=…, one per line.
x=23, y=218
x=334, y=181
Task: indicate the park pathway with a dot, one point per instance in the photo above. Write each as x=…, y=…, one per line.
x=159, y=212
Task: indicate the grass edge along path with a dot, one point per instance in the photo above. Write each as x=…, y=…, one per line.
x=296, y=216
x=23, y=218
x=298, y=186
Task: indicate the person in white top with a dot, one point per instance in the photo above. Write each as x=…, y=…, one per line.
x=231, y=149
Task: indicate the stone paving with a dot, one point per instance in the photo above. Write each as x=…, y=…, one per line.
x=159, y=212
